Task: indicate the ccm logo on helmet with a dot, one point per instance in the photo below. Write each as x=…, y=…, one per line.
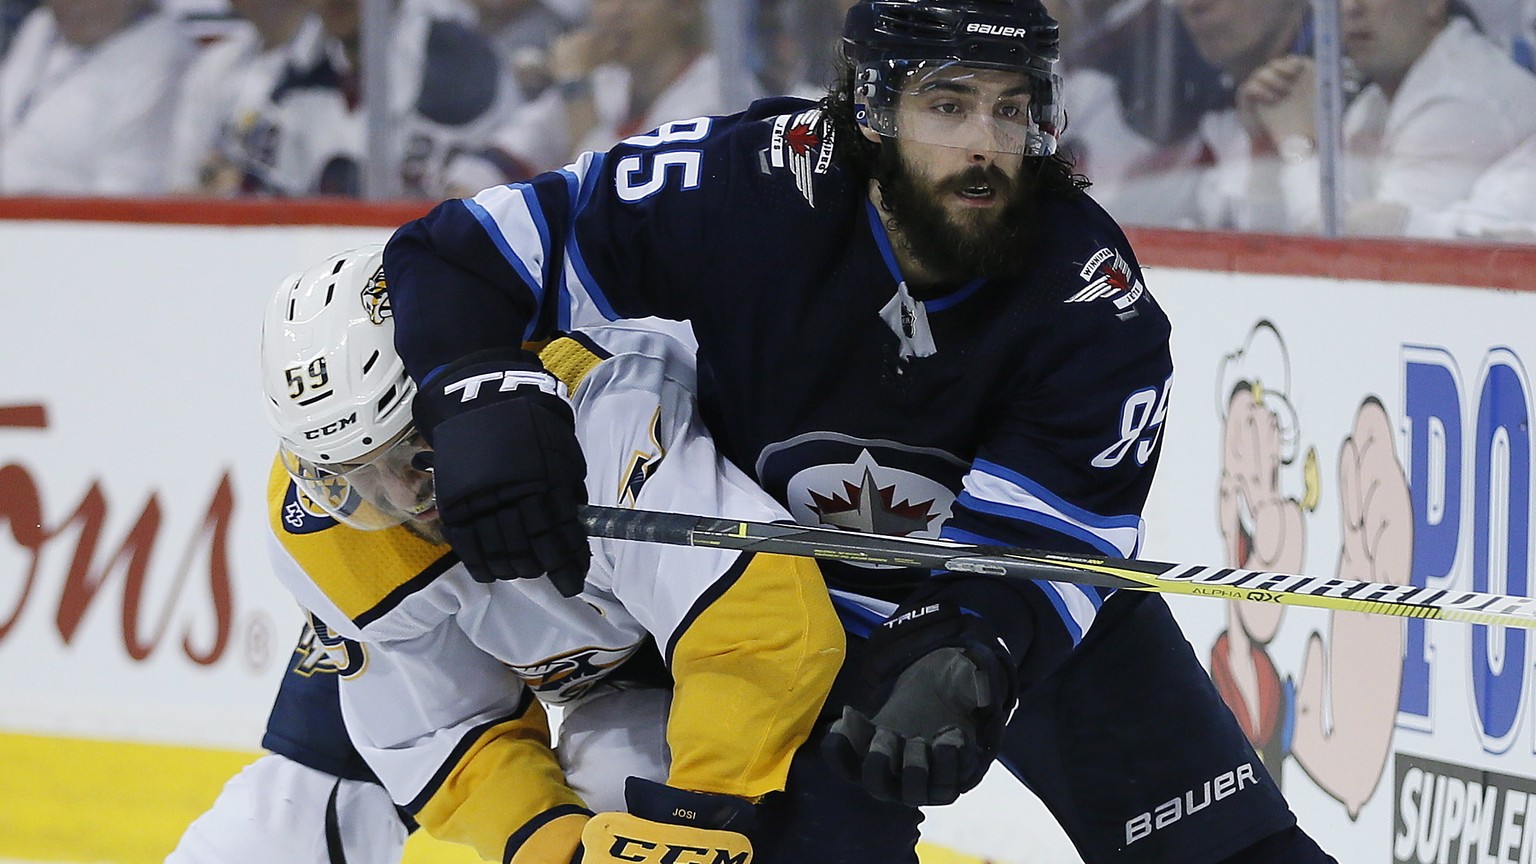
x=330, y=429
x=996, y=30
x=631, y=849
x=511, y=379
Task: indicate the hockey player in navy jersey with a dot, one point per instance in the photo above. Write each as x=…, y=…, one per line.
x=910, y=319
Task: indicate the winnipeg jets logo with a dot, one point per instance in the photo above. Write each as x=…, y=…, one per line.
x=375, y=298
x=872, y=508
x=1109, y=275
x=803, y=143
x=865, y=495
x=862, y=484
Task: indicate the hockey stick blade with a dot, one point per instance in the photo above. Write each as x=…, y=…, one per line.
x=1224, y=583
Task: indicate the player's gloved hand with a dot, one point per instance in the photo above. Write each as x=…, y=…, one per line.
x=668, y=824
x=940, y=724
x=508, y=471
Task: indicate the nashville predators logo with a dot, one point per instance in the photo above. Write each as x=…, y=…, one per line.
x=301, y=515
x=642, y=464
x=321, y=651
x=566, y=676
x=375, y=298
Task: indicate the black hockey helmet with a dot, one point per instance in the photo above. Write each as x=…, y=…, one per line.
x=888, y=41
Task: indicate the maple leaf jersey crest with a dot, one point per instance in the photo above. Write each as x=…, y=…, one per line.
x=856, y=484
x=1108, y=274
x=802, y=143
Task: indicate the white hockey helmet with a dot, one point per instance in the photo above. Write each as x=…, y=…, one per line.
x=337, y=393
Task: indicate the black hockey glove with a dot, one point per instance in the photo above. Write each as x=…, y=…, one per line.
x=665, y=820
x=508, y=471
x=941, y=723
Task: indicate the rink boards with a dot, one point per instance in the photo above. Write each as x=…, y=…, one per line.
x=141, y=638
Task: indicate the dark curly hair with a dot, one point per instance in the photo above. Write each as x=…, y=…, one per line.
x=1055, y=175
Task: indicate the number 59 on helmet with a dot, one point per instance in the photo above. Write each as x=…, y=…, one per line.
x=337, y=393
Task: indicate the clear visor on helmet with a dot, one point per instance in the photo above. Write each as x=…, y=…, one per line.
x=1001, y=109
x=379, y=491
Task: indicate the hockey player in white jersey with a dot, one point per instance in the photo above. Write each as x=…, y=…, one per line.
x=444, y=678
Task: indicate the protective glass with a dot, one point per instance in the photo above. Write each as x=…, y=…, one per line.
x=379, y=491
x=1002, y=109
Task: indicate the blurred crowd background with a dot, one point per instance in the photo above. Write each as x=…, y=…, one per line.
x=1339, y=117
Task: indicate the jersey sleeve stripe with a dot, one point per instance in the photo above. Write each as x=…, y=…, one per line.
x=1052, y=500
x=1070, y=606
x=705, y=599
x=572, y=195
x=585, y=284
x=532, y=826
x=989, y=493
x=1101, y=541
x=397, y=596
x=470, y=737
x=510, y=216
x=860, y=615
x=1077, y=605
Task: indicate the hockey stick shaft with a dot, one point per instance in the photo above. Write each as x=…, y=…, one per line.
x=1226, y=583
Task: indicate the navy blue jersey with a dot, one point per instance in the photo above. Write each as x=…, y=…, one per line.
x=1025, y=411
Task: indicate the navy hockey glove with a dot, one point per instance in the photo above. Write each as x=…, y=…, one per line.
x=508, y=471
x=669, y=824
x=941, y=723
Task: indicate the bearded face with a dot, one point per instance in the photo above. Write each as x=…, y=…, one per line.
x=953, y=174
x=963, y=222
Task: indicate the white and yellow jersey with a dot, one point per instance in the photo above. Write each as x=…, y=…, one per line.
x=439, y=700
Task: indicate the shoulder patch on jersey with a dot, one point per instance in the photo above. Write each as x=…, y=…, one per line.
x=364, y=573
x=300, y=515
x=802, y=143
x=1109, y=276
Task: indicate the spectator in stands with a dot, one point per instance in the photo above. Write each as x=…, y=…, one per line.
x=1523, y=41
x=309, y=135
x=1201, y=181
x=1508, y=24
x=1441, y=104
x=228, y=84
x=1098, y=136
x=522, y=31
x=86, y=93
x=1164, y=88
x=1135, y=89
x=1501, y=206
x=11, y=14
x=636, y=65
x=798, y=42
x=1128, y=102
